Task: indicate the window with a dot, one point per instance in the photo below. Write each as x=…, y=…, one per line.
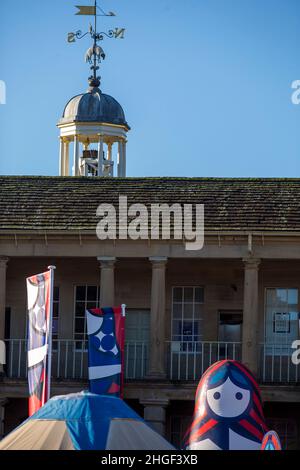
x=187, y=315
x=86, y=297
x=281, y=320
x=55, y=313
x=137, y=325
x=137, y=336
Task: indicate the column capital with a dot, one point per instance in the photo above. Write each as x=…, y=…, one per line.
x=3, y=261
x=107, y=261
x=162, y=402
x=251, y=263
x=158, y=261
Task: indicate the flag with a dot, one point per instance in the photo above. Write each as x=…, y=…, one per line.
x=105, y=328
x=38, y=294
x=86, y=10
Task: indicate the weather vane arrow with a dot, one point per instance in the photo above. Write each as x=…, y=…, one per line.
x=86, y=10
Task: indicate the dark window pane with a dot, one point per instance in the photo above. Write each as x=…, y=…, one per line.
x=188, y=294
x=55, y=326
x=177, y=311
x=56, y=294
x=79, y=325
x=187, y=331
x=55, y=310
x=177, y=328
x=80, y=309
x=199, y=294
x=177, y=294
x=92, y=293
x=80, y=293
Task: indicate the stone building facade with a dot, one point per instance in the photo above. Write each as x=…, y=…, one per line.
x=238, y=297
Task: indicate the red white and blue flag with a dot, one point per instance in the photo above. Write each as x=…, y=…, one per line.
x=106, y=336
x=39, y=299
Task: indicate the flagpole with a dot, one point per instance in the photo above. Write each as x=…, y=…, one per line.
x=51, y=269
x=123, y=310
x=123, y=306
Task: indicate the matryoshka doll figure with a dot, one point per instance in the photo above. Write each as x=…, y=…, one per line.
x=228, y=411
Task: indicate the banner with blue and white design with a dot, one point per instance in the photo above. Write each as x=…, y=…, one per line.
x=106, y=334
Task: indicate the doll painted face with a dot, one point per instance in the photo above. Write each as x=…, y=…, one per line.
x=228, y=411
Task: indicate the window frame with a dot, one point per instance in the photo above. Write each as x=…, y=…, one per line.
x=266, y=306
x=85, y=339
x=184, y=345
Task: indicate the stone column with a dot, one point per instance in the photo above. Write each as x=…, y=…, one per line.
x=124, y=159
x=66, y=158
x=120, y=158
x=109, y=151
x=157, y=321
x=76, y=156
x=107, y=281
x=3, y=402
x=250, y=314
x=61, y=156
x=155, y=414
x=3, y=270
x=100, y=156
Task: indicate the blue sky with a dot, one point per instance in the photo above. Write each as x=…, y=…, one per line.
x=205, y=84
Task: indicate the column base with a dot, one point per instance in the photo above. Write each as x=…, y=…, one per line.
x=3, y=402
x=155, y=414
x=155, y=375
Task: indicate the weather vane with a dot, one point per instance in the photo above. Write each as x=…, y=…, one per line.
x=95, y=53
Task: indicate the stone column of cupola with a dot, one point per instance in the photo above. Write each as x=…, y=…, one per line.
x=64, y=150
x=76, y=156
x=100, y=155
x=122, y=158
x=61, y=157
x=109, y=150
x=66, y=161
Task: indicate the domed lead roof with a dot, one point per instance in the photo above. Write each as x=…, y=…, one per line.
x=94, y=106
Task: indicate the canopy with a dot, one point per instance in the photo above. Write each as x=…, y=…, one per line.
x=85, y=421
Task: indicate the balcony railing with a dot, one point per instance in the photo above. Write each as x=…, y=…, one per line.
x=70, y=359
x=185, y=360
x=276, y=366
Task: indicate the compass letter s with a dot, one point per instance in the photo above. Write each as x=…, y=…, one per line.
x=71, y=37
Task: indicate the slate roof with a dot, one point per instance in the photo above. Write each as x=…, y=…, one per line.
x=69, y=203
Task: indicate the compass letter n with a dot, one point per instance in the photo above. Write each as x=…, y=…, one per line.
x=119, y=33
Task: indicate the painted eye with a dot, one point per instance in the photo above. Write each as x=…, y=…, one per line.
x=217, y=395
x=239, y=396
